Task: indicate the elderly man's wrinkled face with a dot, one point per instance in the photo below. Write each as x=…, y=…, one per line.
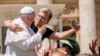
x=28, y=18
x=31, y=17
x=41, y=19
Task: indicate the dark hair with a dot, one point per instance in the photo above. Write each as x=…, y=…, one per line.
x=75, y=45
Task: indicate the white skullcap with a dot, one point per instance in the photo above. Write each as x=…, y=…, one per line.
x=27, y=9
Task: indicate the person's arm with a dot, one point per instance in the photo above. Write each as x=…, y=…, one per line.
x=8, y=23
x=65, y=34
x=12, y=26
x=62, y=35
x=24, y=41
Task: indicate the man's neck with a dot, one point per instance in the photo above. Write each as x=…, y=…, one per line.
x=36, y=25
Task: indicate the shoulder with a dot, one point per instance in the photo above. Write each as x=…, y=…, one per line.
x=48, y=32
x=18, y=21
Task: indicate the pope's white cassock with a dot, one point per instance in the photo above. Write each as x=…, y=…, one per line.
x=22, y=43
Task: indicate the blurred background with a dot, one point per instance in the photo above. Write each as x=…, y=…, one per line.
x=86, y=12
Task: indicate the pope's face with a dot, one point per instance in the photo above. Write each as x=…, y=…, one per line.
x=41, y=19
x=31, y=17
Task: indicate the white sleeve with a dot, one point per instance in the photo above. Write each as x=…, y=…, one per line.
x=22, y=40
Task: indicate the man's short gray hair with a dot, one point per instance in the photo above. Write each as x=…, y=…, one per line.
x=48, y=11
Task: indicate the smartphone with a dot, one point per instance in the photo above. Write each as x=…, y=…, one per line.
x=74, y=23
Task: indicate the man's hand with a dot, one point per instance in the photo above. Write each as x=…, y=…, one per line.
x=12, y=26
x=15, y=27
x=92, y=46
x=42, y=29
x=75, y=25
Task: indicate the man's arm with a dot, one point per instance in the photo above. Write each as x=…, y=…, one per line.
x=12, y=26
x=8, y=23
x=24, y=41
x=62, y=35
x=65, y=34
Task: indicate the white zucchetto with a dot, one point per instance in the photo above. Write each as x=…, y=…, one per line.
x=27, y=9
